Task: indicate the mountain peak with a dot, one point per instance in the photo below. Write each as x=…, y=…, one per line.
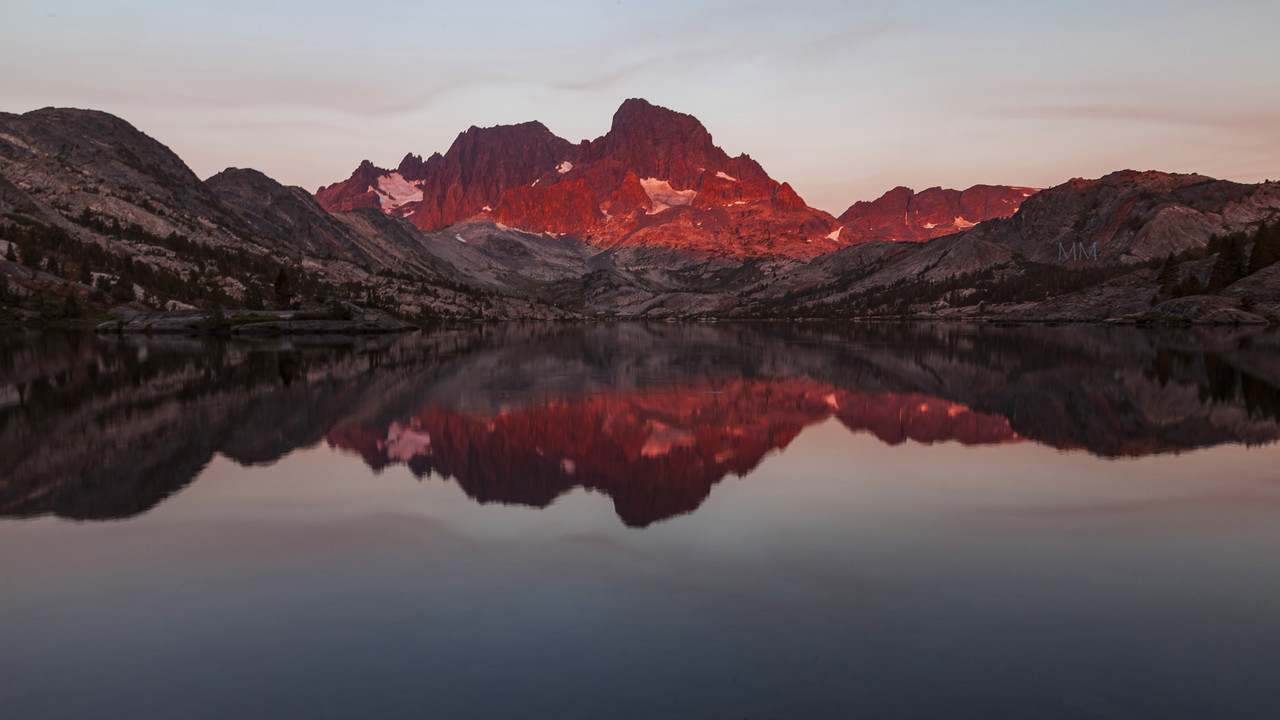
x=413, y=167
x=238, y=174
x=656, y=178
x=639, y=118
x=532, y=128
x=639, y=110
x=98, y=140
x=353, y=193
x=655, y=142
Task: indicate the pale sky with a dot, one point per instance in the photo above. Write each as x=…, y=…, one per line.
x=844, y=100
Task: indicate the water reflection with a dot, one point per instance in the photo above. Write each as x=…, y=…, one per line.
x=656, y=453
x=653, y=415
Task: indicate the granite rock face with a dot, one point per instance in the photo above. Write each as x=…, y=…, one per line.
x=1130, y=217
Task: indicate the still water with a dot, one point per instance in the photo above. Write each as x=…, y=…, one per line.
x=643, y=521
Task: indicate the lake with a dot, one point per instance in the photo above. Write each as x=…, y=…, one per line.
x=658, y=520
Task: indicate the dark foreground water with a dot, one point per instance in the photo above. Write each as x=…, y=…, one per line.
x=643, y=521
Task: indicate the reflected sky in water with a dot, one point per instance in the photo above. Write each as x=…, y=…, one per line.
x=840, y=575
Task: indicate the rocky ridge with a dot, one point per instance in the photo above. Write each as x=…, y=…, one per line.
x=902, y=214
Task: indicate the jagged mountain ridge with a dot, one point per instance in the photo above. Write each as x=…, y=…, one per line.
x=656, y=179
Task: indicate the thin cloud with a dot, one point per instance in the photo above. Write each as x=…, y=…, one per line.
x=1153, y=116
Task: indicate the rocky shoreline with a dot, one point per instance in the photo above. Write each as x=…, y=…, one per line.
x=343, y=319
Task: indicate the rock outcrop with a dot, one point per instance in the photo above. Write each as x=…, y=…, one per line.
x=1130, y=217
x=340, y=319
x=903, y=214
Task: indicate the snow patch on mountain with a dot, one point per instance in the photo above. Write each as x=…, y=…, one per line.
x=405, y=443
x=564, y=167
x=665, y=197
x=394, y=191
x=725, y=176
x=664, y=438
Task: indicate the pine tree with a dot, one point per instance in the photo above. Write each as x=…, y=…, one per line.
x=31, y=255
x=283, y=288
x=1227, y=269
x=1190, y=285
x=122, y=289
x=252, y=297
x=1168, y=277
x=11, y=255
x=1266, y=249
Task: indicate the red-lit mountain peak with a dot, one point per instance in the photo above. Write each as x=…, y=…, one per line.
x=654, y=142
x=481, y=165
x=655, y=179
x=357, y=191
x=903, y=214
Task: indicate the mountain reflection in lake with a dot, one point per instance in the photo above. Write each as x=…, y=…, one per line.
x=969, y=521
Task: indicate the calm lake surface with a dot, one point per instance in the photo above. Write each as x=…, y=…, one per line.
x=643, y=521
